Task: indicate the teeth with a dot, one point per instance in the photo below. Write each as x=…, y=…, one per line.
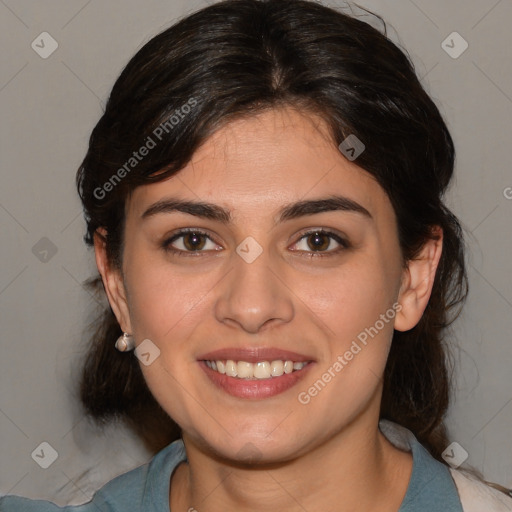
x=262, y=370
x=231, y=368
x=276, y=368
x=259, y=370
x=244, y=370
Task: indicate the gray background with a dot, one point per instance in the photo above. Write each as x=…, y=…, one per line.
x=48, y=109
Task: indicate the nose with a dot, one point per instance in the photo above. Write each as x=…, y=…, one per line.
x=254, y=295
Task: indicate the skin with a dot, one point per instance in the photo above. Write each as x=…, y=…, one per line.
x=328, y=454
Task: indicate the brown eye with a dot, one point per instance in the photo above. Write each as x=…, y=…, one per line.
x=318, y=241
x=321, y=243
x=194, y=241
x=189, y=242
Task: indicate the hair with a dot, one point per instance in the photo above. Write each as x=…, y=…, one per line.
x=236, y=59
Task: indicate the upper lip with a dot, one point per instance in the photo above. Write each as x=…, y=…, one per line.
x=254, y=354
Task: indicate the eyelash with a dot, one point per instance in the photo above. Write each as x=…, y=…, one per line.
x=166, y=245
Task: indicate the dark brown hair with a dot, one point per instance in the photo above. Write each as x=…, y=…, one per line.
x=238, y=58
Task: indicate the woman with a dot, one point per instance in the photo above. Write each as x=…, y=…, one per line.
x=264, y=193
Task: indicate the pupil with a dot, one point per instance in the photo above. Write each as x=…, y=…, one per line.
x=317, y=244
x=193, y=241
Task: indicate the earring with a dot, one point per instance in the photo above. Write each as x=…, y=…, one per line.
x=125, y=342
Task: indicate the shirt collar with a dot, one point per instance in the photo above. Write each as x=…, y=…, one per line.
x=431, y=486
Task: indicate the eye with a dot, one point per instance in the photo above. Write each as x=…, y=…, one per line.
x=321, y=241
x=191, y=241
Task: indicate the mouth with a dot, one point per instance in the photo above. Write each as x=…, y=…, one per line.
x=255, y=373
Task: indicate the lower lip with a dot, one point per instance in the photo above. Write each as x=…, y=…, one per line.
x=255, y=388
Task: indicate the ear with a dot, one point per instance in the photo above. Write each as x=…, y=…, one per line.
x=112, y=281
x=418, y=281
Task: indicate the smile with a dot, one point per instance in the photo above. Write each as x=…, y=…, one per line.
x=255, y=371
x=258, y=380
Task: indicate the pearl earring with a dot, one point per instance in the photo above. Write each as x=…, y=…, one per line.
x=125, y=342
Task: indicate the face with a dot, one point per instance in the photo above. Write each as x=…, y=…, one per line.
x=271, y=271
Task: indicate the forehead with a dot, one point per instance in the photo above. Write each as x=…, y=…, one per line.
x=256, y=164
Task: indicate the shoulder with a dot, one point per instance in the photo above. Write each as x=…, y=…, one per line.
x=20, y=504
x=138, y=489
x=461, y=487
x=107, y=499
x=477, y=496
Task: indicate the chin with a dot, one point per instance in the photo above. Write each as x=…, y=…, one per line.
x=245, y=450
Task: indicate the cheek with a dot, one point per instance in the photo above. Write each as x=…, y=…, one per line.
x=356, y=309
x=163, y=301
x=352, y=298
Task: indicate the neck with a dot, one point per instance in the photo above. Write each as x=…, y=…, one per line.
x=355, y=469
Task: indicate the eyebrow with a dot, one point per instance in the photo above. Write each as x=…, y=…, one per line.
x=288, y=212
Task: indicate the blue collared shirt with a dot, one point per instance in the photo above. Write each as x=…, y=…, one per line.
x=146, y=488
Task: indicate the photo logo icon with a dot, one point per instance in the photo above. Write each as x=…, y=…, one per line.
x=455, y=455
x=249, y=249
x=147, y=352
x=44, y=45
x=249, y=453
x=44, y=250
x=45, y=455
x=351, y=147
x=454, y=45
